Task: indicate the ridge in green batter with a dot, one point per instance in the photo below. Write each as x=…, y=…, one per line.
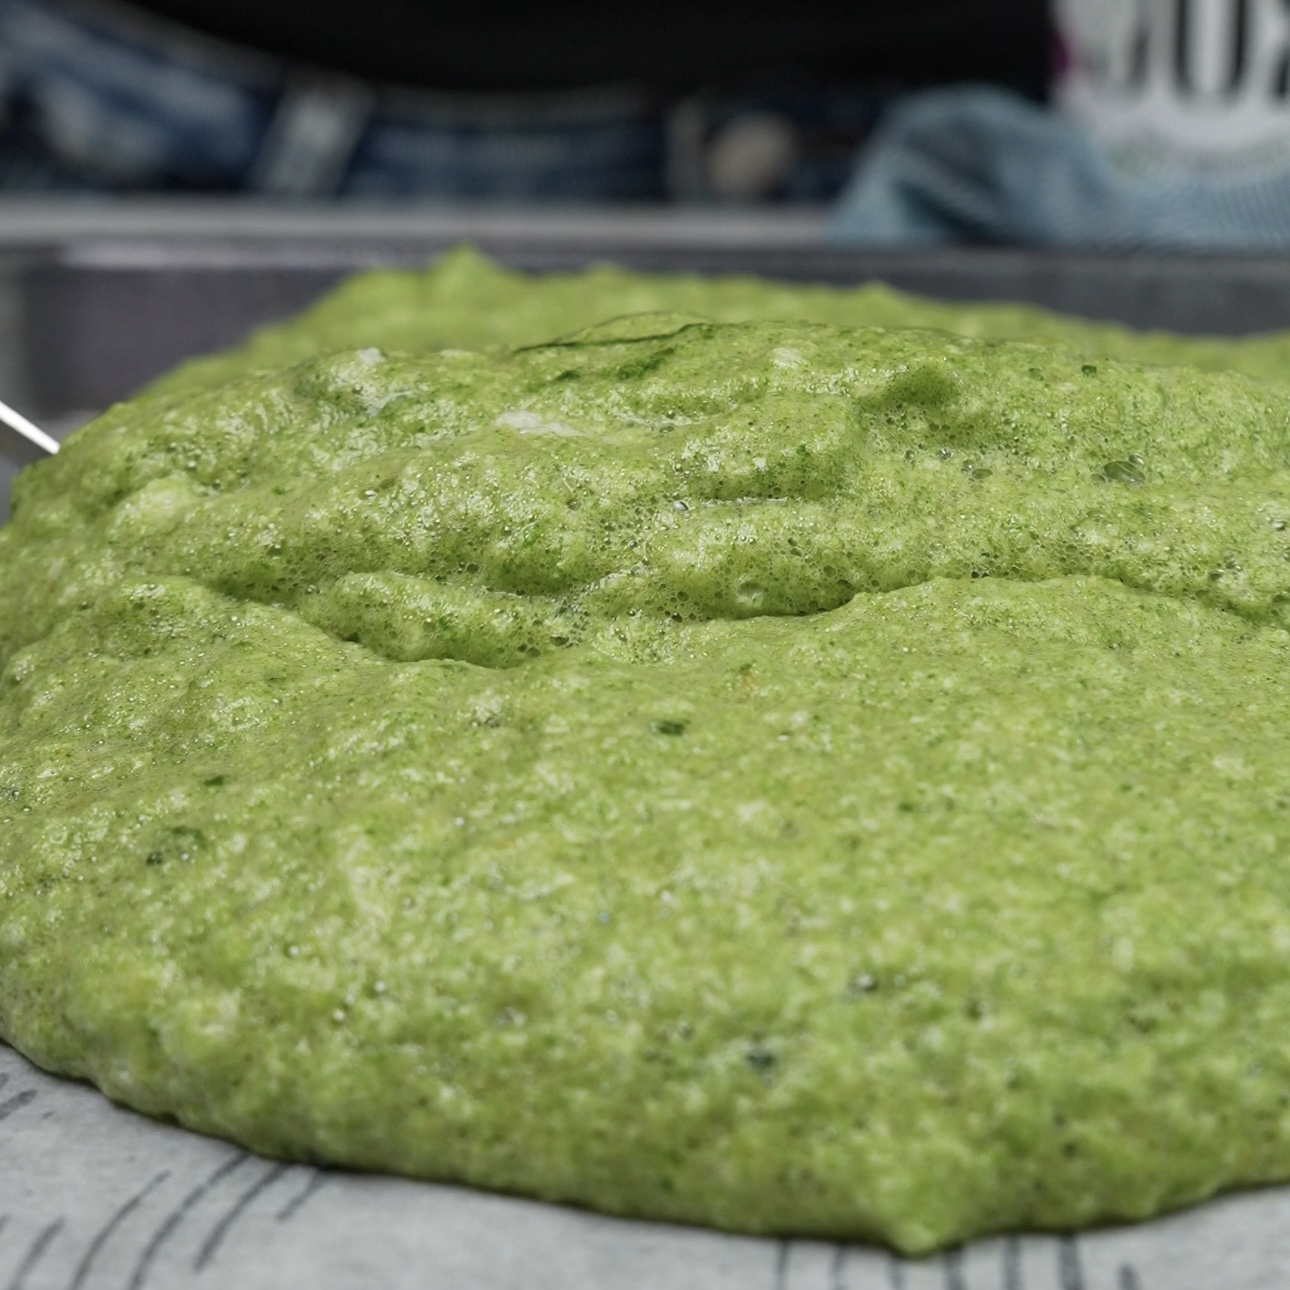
x=790, y=777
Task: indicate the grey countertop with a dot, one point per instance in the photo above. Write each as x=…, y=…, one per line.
x=42, y=222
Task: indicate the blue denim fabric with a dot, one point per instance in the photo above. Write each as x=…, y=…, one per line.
x=982, y=165
x=100, y=98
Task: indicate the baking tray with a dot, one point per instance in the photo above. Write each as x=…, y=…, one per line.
x=93, y=1196
x=101, y=318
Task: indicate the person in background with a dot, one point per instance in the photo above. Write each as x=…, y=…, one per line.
x=1171, y=131
x=567, y=101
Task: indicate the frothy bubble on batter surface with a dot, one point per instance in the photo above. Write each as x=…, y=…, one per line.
x=780, y=776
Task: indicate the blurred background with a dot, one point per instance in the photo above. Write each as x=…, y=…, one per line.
x=1119, y=124
x=174, y=173
x=566, y=101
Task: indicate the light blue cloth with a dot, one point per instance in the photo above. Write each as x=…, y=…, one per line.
x=982, y=165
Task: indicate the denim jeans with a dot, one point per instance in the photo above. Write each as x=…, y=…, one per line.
x=96, y=97
x=975, y=164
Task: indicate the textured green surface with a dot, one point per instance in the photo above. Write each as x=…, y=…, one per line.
x=783, y=777
x=467, y=302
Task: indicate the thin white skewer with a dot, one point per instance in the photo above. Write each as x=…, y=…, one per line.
x=33, y=434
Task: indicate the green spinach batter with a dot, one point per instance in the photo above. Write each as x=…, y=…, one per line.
x=784, y=776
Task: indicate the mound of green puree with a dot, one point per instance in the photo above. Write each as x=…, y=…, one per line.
x=780, y=776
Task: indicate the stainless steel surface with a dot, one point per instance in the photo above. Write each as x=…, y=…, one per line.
x=97, y=297
x=37, y=223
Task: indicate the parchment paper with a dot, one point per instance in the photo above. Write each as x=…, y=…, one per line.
x=93, y=1197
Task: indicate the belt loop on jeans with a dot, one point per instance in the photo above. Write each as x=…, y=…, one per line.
x=312, y=136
